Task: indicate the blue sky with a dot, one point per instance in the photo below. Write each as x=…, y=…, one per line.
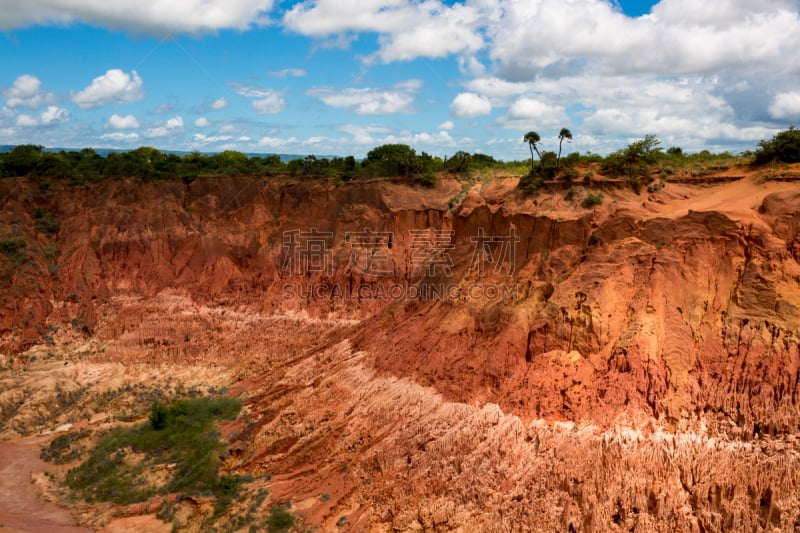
x=343, y=76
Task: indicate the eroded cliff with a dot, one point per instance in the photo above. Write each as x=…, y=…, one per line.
x=475, y=359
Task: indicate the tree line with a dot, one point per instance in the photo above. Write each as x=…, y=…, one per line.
x=389, y=160
x=87, y=166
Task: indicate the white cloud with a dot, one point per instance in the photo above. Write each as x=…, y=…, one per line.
x=120, y=137
x=531, y=109
x=271, y=104
x=369, y=101
x=50, y=116
x=289, y=73
x=219, y=103
x=26, y=121
x=174, y=123
x=170, y=127
x=447, y=125
x=357, y=139
x=785, y=105
x=54, y=115
x=154, y=16
x=276, y=142
x=469, y=105
x=118, y=122
x=115, y=86
x=164, y=108
x=206, y=139
x=407, y=29
x=679, y=37
x=265, y=101
x=27, y=92
x=202, y=122
x=229, y=128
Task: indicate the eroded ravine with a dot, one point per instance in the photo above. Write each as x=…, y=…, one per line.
x=641, y=374
x=21, y=507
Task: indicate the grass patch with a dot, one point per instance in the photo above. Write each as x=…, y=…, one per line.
x=61, y=450
x=181, y=433
x=280, y=520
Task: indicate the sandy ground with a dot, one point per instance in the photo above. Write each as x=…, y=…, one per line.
x=21, y=508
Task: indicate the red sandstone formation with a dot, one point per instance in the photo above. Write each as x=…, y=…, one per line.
x=633, y=366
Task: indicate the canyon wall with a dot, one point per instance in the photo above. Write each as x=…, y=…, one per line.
x=678, y=309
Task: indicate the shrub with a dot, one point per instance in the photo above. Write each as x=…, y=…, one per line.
x=180, y=433
x=280, y=520
x=45, y=221
x=592, y=200
x=14, y=249
x=783, y=147
x=60, y=449
x=570, y=194
x=634, y=161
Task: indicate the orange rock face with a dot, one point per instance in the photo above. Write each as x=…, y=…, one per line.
x=495, y=363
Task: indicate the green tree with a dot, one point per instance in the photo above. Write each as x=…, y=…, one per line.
x=563, y=134
x=393, y=160
x=784, y=146
x=22, y=159
x=532, y=138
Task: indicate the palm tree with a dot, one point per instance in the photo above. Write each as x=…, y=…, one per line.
x=563, y=134
x=532, y=138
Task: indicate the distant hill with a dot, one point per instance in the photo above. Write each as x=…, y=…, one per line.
x=105, y=151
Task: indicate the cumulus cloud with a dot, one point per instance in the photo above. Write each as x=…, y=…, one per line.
x=210, y=139
x=289, y=73
x=530, y=37
x=269, y=105
x=120, y=137
x=407, y=29
x=54, y=115
x=265, y=101
x=276, y=142
x=26, y=121
x=470, y=105
x=27, y=92
x=786, y=105
x=118, y=122
x=202, y=122
x=219, y=103
x=50, y=116
x=447, y=125
x=370, y=101
x=186, y=16
x=170, y=127
x=535, y=111
x=115, y=86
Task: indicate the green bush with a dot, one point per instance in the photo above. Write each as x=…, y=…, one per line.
x=14, y=249
x=45, y=221
x=280, y=520
x=180, y=433
x=60, y=449
x=784, y=147
x=592, y=200
x=634, y=162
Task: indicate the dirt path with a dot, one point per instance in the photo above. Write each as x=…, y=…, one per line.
x=21, y=509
